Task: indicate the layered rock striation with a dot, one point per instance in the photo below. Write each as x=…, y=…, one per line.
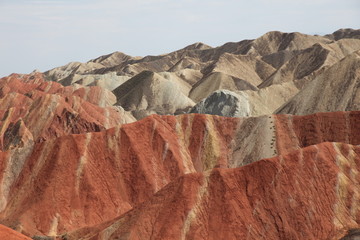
x=257, y=139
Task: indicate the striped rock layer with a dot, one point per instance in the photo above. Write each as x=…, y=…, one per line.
x=34, y=109
x=71, y=167
x=64, y=183
x=310, y=193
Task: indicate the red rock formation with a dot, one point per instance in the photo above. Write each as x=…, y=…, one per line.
x=115, y=168
x=268, y=136
x=34, y=85
x=295, y=132
x=49, y=110
x=79, y=180
x=310, y=193
x=9, y=234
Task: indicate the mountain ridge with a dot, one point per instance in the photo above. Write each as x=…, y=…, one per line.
x=256, y=139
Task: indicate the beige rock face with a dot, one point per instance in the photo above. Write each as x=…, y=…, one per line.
x=336, y=89
x=275, y=41
x=148, y=93
x=248, y=68
x=344, y=33
x=309, y=63
x=109, y=81
x=279, y=64
x=217, y=81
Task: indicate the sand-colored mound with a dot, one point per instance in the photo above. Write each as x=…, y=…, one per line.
x=218, y=81
x=149, y=93
x=275, y=41
x=248, y=68
x=272, y=59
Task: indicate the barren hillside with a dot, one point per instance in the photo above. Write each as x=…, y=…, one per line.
x=257, y=139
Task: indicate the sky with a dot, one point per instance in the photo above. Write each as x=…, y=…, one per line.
x=43, y=34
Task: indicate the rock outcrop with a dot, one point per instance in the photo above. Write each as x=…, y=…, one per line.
x=224, y=103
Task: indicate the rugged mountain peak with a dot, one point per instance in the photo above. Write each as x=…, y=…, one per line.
x=344, y=33
x=112, y=59
x=197, y=46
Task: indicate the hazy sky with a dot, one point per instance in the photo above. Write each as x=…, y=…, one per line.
x=43, y=34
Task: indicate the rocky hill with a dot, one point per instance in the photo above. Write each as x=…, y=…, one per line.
x=262, y=74
x=257, y=139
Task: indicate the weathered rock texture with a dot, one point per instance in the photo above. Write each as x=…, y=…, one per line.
x=75, y=181
x=9, y=234
x=265, y=72
x=47, y=109
x=337, y=89
x=148, y=93
x=310, y=193
x=246, y=103
x=75, y=163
